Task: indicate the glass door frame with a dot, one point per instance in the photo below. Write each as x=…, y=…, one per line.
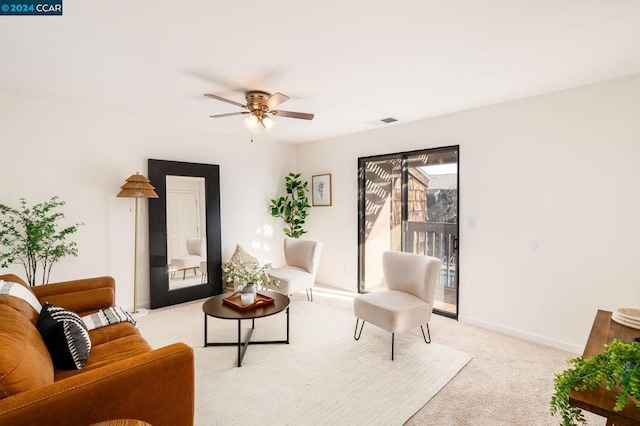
x=403, y=156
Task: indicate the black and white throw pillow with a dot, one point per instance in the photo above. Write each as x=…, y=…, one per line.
x=65, y=335
x=105, y=317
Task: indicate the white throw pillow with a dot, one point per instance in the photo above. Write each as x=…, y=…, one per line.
x=20, y=291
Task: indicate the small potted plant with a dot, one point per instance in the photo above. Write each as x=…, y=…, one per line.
x=616, y=369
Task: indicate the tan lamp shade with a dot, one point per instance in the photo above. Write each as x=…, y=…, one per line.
x=137, y=186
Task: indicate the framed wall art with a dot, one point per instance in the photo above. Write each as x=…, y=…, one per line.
x=321, y=190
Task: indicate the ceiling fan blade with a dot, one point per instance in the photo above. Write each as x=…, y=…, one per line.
x=208, y=95
x=275, y=100
x=229, y=114
x=291, y=114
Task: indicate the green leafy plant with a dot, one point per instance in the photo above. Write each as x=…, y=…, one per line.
x=30, y=236
x=243, y=274
x=616, y=369
x=292, y=208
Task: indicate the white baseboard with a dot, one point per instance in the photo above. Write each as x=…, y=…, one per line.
x=523, y=335
x=141, y=305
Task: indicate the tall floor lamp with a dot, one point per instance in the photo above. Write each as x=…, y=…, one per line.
x=137, y=186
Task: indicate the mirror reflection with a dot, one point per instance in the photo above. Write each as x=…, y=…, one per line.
x=186, y=231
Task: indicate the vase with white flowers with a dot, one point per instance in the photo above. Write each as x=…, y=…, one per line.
x=246, y=277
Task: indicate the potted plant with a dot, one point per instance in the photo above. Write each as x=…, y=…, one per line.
x=292, y=208
x=616, y=368
x=30, y=236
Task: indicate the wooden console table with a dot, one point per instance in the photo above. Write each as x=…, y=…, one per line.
x=600, y=400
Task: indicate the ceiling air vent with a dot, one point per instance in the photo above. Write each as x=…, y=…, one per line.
x=381, y=121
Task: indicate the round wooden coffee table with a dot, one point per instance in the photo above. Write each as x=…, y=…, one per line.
x=215, y=307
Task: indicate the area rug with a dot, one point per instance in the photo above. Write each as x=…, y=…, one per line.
x=323, y=377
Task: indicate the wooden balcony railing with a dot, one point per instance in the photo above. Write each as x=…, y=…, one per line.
x=437, y=240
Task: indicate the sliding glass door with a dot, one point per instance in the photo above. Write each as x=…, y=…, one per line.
x=409, y=202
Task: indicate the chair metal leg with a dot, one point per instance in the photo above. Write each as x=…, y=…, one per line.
x=428, y=332
x=392, y=344
x=355, y=332
x=309, y=292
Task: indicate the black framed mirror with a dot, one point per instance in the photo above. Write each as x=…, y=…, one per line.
x=185, y=249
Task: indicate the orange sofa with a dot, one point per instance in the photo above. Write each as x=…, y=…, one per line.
x=123, y=378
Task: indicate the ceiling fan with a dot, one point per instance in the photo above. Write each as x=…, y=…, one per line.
x=259, y=106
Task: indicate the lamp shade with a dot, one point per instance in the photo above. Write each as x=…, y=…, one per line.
x=137, y=186
x=268, y=123
x=252, y=123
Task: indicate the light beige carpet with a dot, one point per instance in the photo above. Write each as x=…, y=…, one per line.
x=508, y=382
x=322, y=377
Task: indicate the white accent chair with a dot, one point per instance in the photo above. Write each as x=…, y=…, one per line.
x=411, y=280
x=302, y=258
x=197, y=249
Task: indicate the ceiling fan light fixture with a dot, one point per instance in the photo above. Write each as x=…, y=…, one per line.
x=252, y=123
x=259, y=105
x=268, y=123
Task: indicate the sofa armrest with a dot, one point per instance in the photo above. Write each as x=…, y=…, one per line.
x=89, y=294
x=156, y=387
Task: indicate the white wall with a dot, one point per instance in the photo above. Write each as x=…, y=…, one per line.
x=559, y=170
x=84, y=156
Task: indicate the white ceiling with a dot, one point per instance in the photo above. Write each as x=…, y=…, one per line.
x=350, y=62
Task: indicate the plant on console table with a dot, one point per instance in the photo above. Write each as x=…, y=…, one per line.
x=616, y=369
x=30, y=236
x=246, y=277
